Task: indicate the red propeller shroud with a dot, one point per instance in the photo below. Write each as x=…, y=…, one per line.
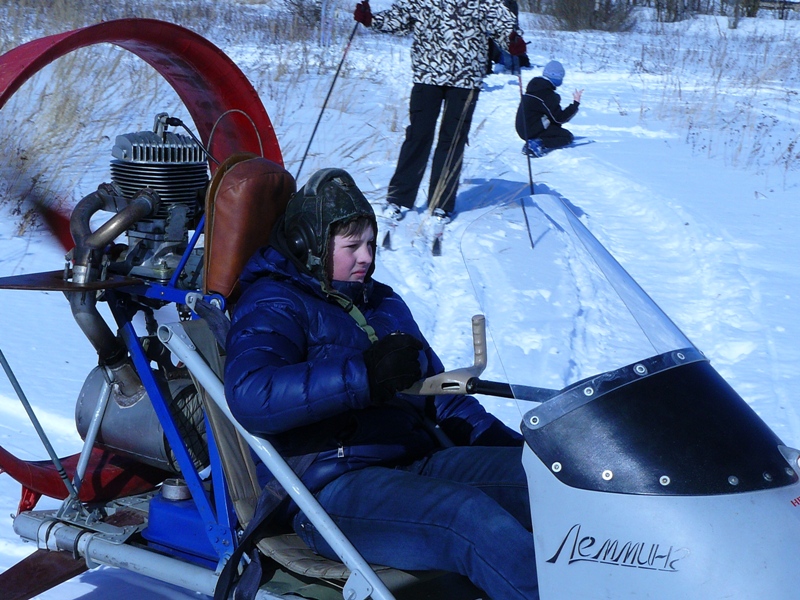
x=219, y=97
x=206, y=80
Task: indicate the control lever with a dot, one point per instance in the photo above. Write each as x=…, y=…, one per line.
x=456, y=381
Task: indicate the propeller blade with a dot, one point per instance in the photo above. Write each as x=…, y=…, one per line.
x=54, y=281
x=38, y=573
x=57, y=223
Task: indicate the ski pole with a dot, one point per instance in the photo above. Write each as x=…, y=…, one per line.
x=324, y=104
x=530, y=171
x=525, y=125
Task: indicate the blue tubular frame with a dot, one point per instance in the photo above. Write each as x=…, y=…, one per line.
x=222, y=498
x=218, y=517
x=217, y=523
x=166, y=293
x=201, y=225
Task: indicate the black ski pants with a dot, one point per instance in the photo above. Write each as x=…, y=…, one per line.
x=555, y=136
x=426, y=103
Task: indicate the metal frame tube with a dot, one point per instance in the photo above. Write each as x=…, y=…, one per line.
x=173, y=282
x=37, y=426
x=175, y=338
x=91, y=433
x=54, y=536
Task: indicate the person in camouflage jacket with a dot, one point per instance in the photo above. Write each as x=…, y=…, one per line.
x=448, y=59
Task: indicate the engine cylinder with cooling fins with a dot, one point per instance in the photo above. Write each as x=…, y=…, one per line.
x=171, y=164
x=174, y=166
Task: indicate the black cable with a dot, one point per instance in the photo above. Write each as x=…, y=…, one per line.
x=175, y=122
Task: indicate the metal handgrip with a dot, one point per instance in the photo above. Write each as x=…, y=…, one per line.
x=455, y=382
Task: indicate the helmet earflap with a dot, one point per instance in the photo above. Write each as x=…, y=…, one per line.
x=300, y=239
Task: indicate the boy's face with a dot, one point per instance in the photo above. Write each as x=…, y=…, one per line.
x=353, y=255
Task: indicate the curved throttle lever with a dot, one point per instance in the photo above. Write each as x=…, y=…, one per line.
x=455, y=382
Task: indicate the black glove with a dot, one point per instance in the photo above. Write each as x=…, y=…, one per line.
x=516, y=45
x=392, y=365
x=363, y=14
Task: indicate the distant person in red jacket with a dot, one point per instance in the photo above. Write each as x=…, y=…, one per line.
x=540, y=118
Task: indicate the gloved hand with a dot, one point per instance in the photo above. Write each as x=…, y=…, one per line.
x=363, y=14
x=392, y=365
x=516, y=45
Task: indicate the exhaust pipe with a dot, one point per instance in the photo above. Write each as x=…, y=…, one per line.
x=87, y=255
x=89, y=245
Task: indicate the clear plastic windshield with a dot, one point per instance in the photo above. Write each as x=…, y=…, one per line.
x=559, y=308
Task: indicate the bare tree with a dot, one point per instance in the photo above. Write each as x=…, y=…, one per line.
x=671, y=11
x=604, y=15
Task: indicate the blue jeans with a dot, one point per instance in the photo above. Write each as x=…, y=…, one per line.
x=463, y=509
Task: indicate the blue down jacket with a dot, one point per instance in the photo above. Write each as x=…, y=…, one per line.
x=295, y=374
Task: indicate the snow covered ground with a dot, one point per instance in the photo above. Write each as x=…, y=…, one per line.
x=692, y=184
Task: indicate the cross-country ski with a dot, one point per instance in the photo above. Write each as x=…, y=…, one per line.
x=539, y=152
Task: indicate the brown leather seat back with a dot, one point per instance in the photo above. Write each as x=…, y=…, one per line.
x=246, y=196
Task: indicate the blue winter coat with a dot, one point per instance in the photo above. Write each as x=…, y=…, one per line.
x=295, y=374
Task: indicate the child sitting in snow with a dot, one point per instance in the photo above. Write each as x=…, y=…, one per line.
x=539, y=116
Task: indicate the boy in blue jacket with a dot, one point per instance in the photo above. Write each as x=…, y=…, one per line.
x=540, y=118
x=317, y=356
